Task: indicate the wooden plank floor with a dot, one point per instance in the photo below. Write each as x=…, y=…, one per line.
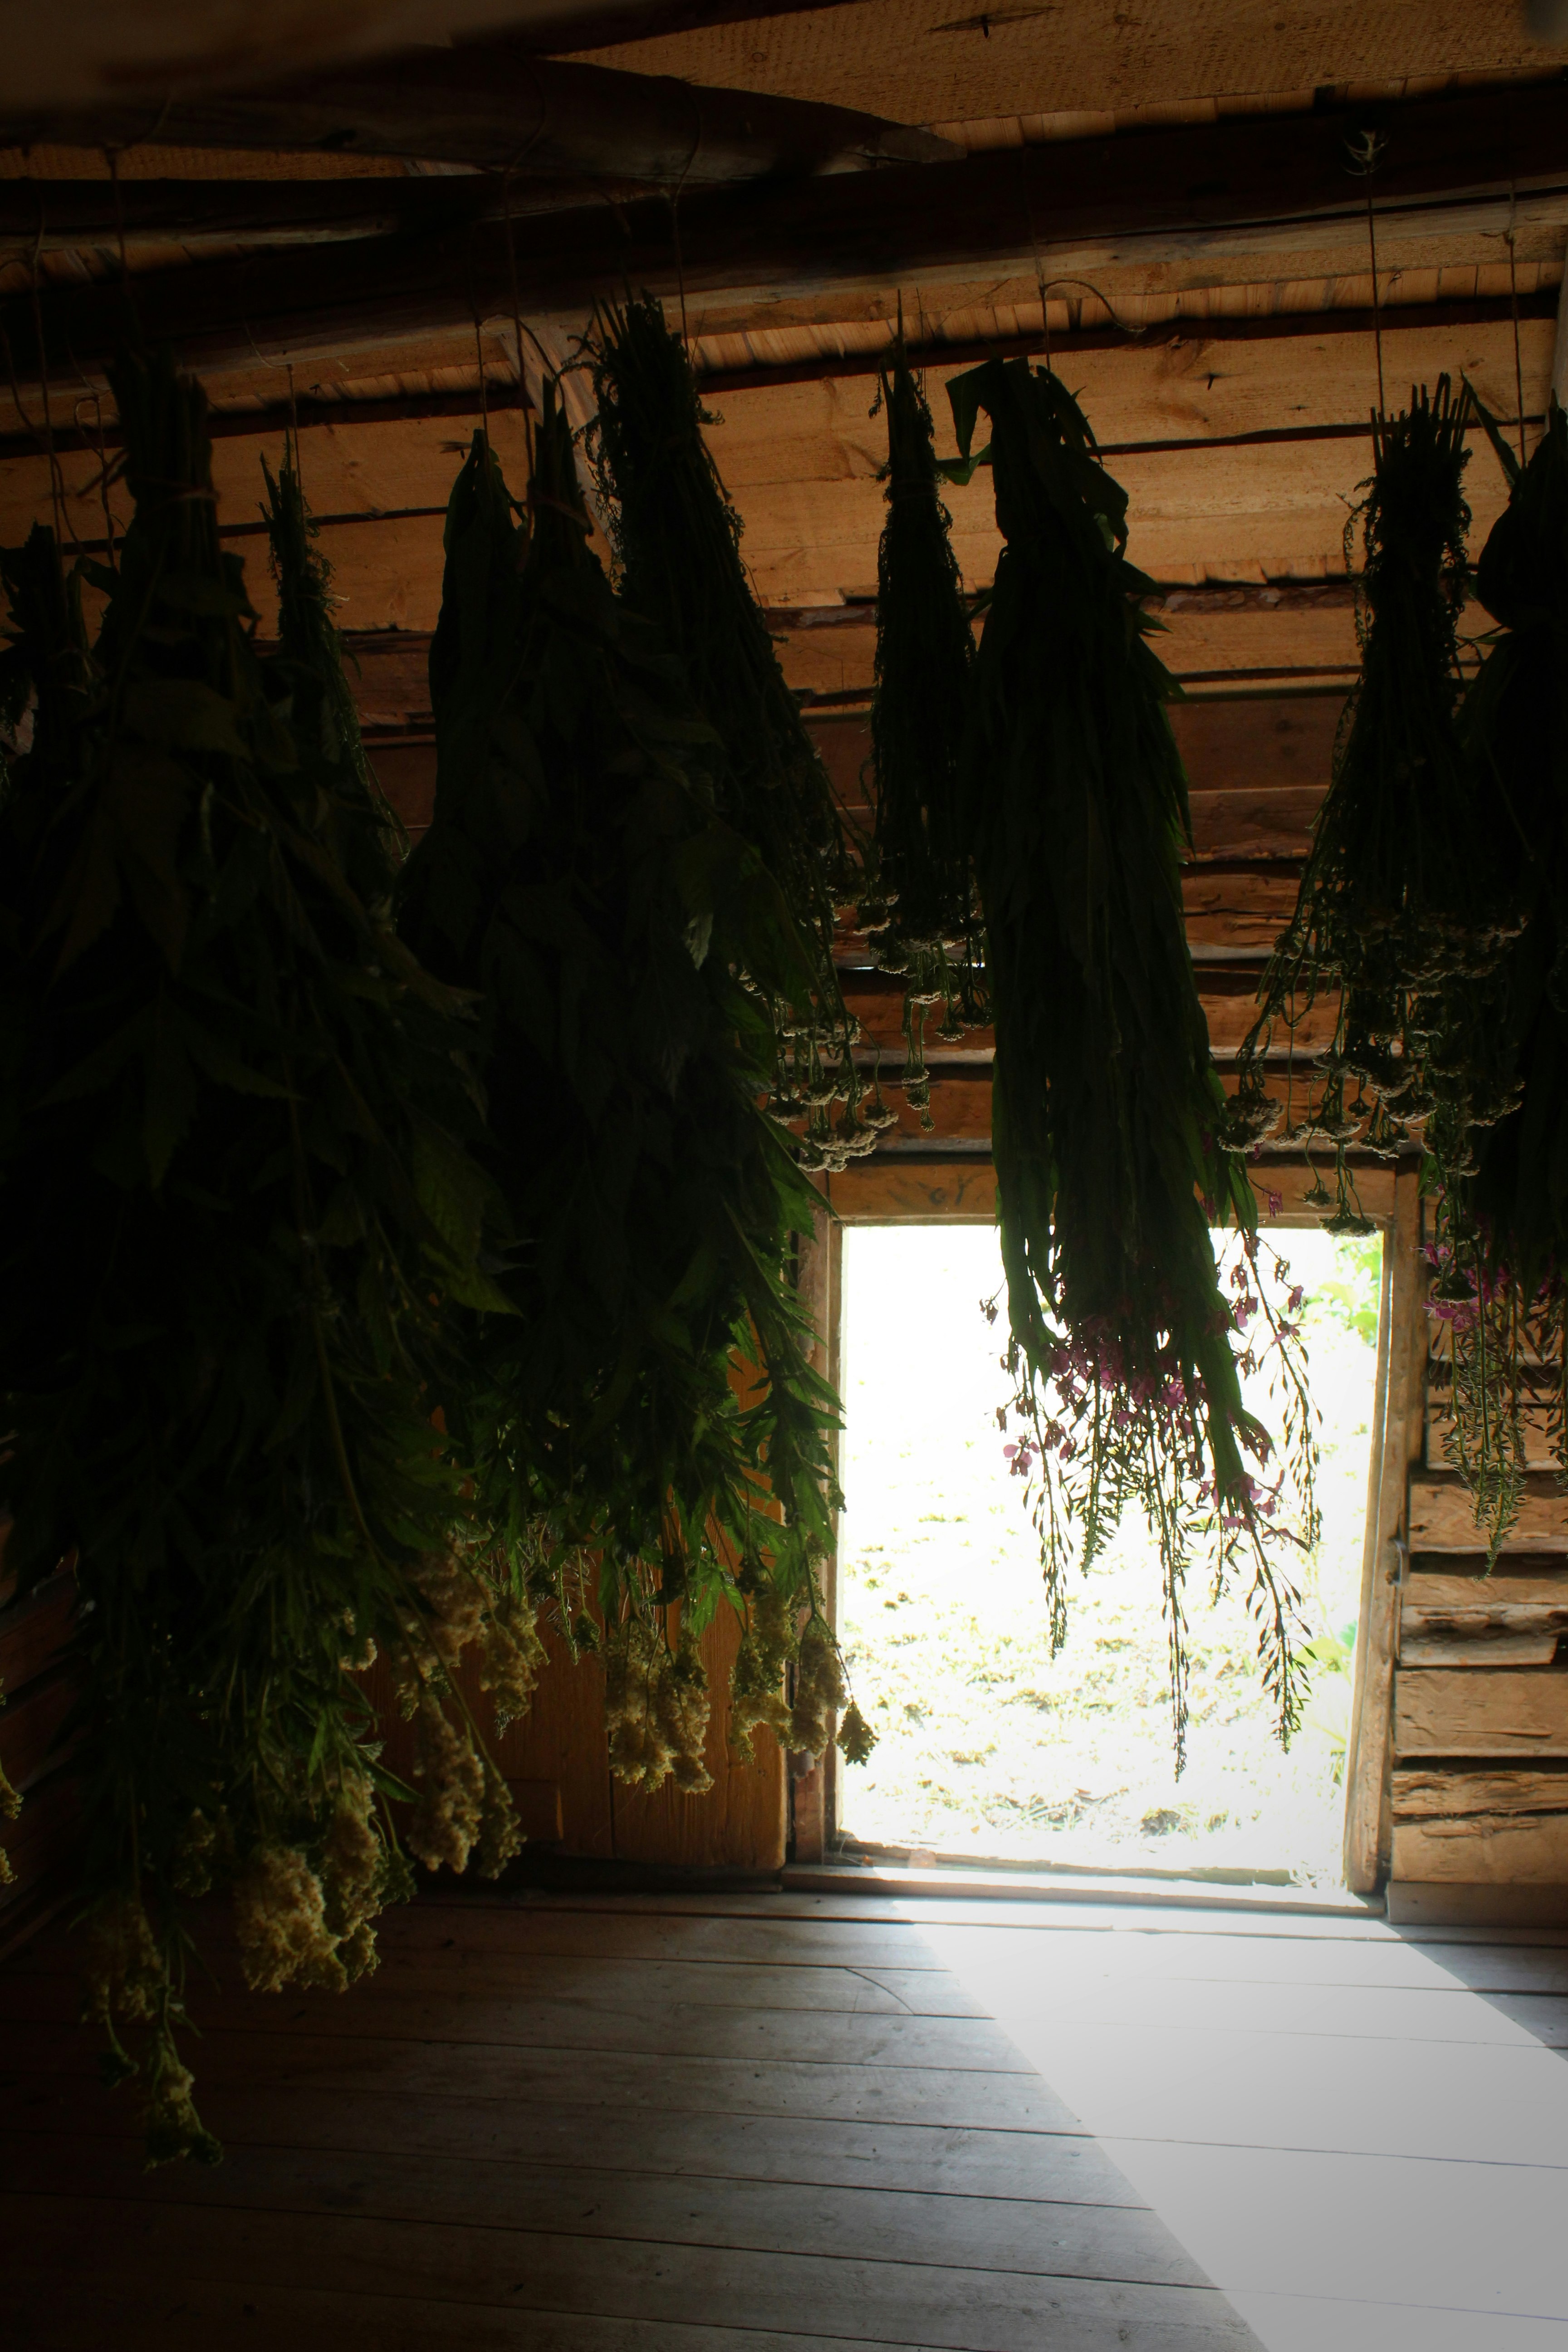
x=762, y=2123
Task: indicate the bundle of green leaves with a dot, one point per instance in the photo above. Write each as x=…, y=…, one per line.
x=920, y=905
x=677, y=544
x=1502, y=1215
x=625, y=944
x=1107, y=1107
x=238, y=1213
x=1402, y=904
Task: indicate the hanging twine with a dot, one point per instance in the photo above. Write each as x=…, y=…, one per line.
x=1365, y=154
x=1513, y=306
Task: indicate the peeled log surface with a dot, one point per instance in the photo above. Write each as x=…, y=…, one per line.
x=1428, y=1794
x=1481, y=1853
x=897, y=1192
x=1484, y=1828
x=1513, y=1712
x=1478, y=1643
x=1513, y=1584
x=1482, y=1626
x=875, y=1000
x=961, y=1111
x=1277, y=509
x=1442, y=1517
x=493, y=105
x=1180, y=189
x=1481, y=1828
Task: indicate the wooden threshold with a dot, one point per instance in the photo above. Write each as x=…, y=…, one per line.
x=1070, y=1884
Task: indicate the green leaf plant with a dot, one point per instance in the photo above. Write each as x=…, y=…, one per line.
x=626, y=946
x=920, y=905
x=238, y=1212
x=1401, y=907
x=1128, y=1356
x=678, y=545
x=1501, y=1250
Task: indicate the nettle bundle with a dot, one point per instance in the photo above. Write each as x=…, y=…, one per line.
x=1107, y=1106
x=627, y=945
x=677, y=544
x=921, y=903
x=236, y=1214
x=1400, y=907
x=1501, y=1250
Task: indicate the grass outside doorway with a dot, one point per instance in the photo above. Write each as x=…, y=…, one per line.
x=987, y=1746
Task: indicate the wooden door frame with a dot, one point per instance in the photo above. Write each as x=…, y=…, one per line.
x=963, y=1193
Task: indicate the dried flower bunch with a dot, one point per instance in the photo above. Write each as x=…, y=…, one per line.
x=239, y=1214
x=677, y=544
x=921, y=903
x=1107, y=1106
x=625, y=945
x=1402, y=904
x=1503, y=1211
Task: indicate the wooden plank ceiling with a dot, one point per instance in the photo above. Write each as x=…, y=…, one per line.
x=1223, y=345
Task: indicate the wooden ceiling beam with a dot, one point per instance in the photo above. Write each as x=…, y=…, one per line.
x=57, y=216
x=495, y=105
x=348, y=412
x=906, y=225
x=1274, y=326
x=276, y=416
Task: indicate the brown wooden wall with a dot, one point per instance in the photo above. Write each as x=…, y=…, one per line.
x=1478, y=1792
x=555, y=1761
x=1459, y=1740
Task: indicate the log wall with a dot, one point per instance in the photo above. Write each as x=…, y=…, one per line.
x=1478, y=1795
x=1459, y=1750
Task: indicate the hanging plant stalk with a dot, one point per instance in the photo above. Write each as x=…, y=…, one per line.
x=1501, y=1250
x=677, y=541
x=236, y=1211
x=1399, y=912
x=1107, y=1106
x=43, y=681
x=921, y=902
x=575, y=876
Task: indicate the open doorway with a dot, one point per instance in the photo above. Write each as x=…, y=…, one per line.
x=988, y=1747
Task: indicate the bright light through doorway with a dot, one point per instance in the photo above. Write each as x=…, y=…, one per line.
x=987, y=1746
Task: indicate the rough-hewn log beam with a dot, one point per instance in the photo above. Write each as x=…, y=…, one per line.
x=56, y=216
x=1283, y=325
x=825, y=367
x=1266, y=176
x=496, y=105
x=278, y=416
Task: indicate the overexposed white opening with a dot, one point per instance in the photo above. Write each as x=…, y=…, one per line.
x=987, y=1746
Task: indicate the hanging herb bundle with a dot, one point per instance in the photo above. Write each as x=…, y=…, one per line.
x=237, y=1213
x=923, y=897
x=575, y=876
x=1399, y=910
x=678, y=542
x=1107, y=1106
x=1501, y=1250
x=44, y=679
